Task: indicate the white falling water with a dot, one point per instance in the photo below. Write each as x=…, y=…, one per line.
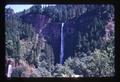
x=62, y=45
x=9, y=70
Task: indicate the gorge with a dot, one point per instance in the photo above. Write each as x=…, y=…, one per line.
x=58, y=34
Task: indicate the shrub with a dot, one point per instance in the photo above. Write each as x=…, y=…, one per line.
x=100, y=63
x=61, y=70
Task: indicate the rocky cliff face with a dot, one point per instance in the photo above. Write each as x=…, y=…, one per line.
x=86, y=30
x=52, y=32
x=88, y=34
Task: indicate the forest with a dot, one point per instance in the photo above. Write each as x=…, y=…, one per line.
x=65, y=40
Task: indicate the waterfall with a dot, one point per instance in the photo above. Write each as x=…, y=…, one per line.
x=9, y=70
x=62, y=45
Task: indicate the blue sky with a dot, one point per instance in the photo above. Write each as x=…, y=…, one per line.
x=20, y=7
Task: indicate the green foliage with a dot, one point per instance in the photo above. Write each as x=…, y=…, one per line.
x=36, y=9
x=43, y=64
x=100, y=63
x=17, y=72
x=14, y=35
x=9, y=48
x=94, y=57
x=35, y=73
x=59, y=70
x=76, y=65
x=43, y=69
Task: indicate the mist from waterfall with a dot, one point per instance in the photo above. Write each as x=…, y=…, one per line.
x=62, y=45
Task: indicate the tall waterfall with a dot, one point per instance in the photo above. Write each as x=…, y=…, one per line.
x=62, y=45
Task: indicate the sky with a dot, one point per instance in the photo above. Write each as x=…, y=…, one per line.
x=20, y=7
